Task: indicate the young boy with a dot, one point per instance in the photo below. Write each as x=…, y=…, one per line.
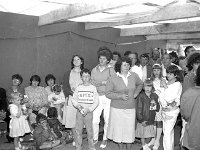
x=85, y=99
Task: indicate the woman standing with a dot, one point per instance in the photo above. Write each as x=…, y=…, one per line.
x=122, y=88
x=170, y=101
x=71, y=81
x=37, y=98
x=99, y=77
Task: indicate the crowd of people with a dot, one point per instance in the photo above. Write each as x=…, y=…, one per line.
x=137, y=97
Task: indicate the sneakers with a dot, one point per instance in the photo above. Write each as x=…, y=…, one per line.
x=73, y=143
x=95, y=142
x=103, y=144
x=152, y=142
x=145, y=147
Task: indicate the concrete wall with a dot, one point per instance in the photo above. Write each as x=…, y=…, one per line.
x=52, y=50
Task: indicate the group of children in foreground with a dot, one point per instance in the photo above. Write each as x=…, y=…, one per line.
x=85, y=99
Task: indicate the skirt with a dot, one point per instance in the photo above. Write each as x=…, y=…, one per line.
x=19, y=126
x=121, y=127
x=69, y=114
x=145, y=132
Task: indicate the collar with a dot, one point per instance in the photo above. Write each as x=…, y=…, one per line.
x=119, y=75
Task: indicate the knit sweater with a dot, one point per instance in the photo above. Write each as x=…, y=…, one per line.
x=116, y=87
x=98, y=76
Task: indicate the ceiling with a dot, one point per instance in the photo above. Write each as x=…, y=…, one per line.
x=156, y=19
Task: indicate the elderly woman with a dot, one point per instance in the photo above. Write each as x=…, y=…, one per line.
x=122, y=88
x=37, y=98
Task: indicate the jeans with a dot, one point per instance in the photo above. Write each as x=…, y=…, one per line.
x=104, y=105
x=80, y=122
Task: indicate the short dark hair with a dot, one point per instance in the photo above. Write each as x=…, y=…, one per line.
x=187, y=48
x=127, y=53
x=40, y=117
x=137, y=58
x=119, y=63
x=52, y=112
x=85, y=70
x=57, y=88
x=193, y=58
x=145, y=55
x=116, y=53
x=197, y=78
x=104, y=51
x=35, y=78
x=175, y=70
x=82, y=60
x=18, y=77
x=49, y=77
x=181, y=57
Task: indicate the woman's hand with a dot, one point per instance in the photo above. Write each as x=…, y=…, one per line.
x=125, y=97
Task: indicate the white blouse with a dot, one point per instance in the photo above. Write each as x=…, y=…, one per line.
x=170, y=94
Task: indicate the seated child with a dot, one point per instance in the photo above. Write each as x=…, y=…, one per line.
x=57, y=99
x=85, y=99
x=42, y=133
x=53, y=122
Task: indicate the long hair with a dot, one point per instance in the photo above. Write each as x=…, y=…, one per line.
x=156, y=66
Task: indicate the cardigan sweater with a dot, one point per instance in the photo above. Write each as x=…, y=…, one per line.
x=115, y=87
x=98, y=76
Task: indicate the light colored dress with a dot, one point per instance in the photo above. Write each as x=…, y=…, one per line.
x=18, y=125
x=69, y=112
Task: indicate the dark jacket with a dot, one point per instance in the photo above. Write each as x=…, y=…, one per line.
x=40, y=135
x=144, y=104
x=66, y=86
x=56, y=126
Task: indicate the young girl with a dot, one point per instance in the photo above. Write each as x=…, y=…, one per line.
x=147, y=106
x=56, y=99
x=18, y=123
x=157, y=78
x=170, y=101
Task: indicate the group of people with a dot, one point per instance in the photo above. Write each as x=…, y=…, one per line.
x=137, y=97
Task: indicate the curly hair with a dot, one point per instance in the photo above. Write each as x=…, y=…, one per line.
x=18, y=77
x=104, y=51
x=119, y=63
x=197, y=78
x=49, y=77
x=40, y=117
x=192, y=59
x=52, y=112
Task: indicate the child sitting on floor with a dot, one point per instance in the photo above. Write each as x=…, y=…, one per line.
x=43, y=136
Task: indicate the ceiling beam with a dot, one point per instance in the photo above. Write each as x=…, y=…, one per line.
x=80, y=9
x=161, y=29
x=174, y=11
x=175, y=36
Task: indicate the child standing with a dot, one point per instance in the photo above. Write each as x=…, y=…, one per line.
x=157, y=78
x=57, y=99
x=170, y=101
x=18, y=123
x=85, y=99
x=147, y=106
